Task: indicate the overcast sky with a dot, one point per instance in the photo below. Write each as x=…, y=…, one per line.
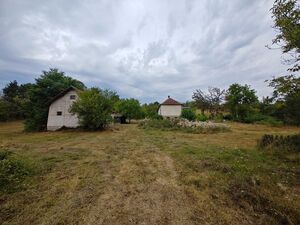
x=142, y=49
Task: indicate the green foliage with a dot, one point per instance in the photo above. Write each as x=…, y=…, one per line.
x=287, y=95
x=201, y=117
x=240, y=100
x=47, y=86
x=262, y=119
x=290, y=143
x=13, y=171
x=5, y=110
x=292, y=115
x=93, y=108
x=188, y=114
x=150, y=110
x=13, y=101
x=286, y=15
x=130, y=108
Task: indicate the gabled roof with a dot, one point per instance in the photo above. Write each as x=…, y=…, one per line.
x=170, y=101
x=71, y=88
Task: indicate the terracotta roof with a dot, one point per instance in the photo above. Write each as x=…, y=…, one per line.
x=63, y=93
x=170, y=101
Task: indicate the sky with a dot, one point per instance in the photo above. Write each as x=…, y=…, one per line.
x=144, y=49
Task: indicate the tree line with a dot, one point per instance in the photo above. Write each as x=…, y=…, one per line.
x=239, y=102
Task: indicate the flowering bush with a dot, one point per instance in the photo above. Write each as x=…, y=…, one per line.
x=184, y=125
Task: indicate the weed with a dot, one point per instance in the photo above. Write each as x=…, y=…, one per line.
x=290, y=143
x=185, y=126
x=13, y=171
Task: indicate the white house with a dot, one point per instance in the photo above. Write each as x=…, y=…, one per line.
x=170, y=108
x=59, y=115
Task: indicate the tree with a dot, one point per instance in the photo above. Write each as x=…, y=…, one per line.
x=188, y=114
x=15, y=98
x=10, y=91
x=240, y=101
x=285, y=86
x=5, y=110
x=210, y=101
x=93, y=108
x=287, y=96
x=130, y=108
x=201, y=99
x=215, y=97
x=47, y=86
x=286, y=15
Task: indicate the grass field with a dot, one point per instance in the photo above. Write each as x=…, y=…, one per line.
x=129, y=175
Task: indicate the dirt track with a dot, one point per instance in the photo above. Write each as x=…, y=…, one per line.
x=143, y=187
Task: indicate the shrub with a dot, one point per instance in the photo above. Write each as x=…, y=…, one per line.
x=227, y=117
x=188, y=114
x=184, y=125
x=289, y=143
x=93, y=109
x=262, y=119
x=201, y=117
x=13, y=171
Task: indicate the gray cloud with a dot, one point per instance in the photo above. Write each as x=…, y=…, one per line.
x=143, y=49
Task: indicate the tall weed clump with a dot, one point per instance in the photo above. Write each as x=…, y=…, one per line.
x=13, y=171
x=290, y=143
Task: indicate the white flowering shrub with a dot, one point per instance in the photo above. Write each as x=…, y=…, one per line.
x=184, y=125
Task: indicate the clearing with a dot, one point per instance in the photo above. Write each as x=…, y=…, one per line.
x=129, y=175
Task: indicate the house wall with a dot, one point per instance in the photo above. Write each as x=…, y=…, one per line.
x=66, y=119
x=170, y=110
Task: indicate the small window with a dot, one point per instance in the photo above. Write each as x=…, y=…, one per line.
x=59, y=113
x=72, y=96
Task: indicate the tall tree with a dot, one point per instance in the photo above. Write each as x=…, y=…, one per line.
x=210, y=101
x=130, y=108
x=287, y=96
x=240, y=101
x=216, y=96
x=286, y=15
x=14, y=100
x=47, y=86
x=201, y=100
x=11, y=90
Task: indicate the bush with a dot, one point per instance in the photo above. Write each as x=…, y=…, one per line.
x=262, y=119
x=13, y=172
x=188, y=114
x=289, y=143
x=184, y=125
x=201, y=117
x=227, y=117
x=93, y=109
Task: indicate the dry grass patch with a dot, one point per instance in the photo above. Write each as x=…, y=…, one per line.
x=134, y=176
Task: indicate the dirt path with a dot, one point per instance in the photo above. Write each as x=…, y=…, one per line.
x=143, y=188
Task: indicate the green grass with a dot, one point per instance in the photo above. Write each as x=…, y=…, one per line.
x=149, y=176
x=244, y=176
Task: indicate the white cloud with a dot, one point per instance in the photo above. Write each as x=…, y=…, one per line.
x=143, y=49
